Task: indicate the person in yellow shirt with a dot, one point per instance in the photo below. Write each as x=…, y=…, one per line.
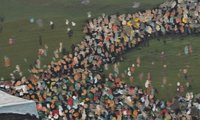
x=129, y=24
x=137, y=19
x=167, y=117
x=184, y=20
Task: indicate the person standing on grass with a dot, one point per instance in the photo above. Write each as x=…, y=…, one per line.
x=141, y=76
x=38, y=63
x=51, y=23
x=40, y=40
x=11, y=41
x=132, y=68
x=190, y=49
x=162, y=56
x=131, y=79
x=70, y=33
x=45, y=50
x=164, y=81
x=149, y=77
x=1, y=28
x=60, y=47
x=147, y=83
x=56, y=54
x=7, y=61
x=1, y=24
x=106, y=66
x=185, y=73
x=66, y=22
x=186, y=50
x=138, y=61
x=1, y=19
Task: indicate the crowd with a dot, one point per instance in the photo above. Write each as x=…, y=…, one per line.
x=74, y=87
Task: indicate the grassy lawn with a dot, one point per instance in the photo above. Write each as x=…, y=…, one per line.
x=174, y=46
x=16, y=25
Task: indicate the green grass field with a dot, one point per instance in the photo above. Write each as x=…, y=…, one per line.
x=16, y=25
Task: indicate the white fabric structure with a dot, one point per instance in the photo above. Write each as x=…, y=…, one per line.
x=13, y=104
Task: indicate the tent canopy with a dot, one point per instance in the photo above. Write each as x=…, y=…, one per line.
x=13, y=104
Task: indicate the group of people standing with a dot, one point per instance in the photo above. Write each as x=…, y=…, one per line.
x=74, y=86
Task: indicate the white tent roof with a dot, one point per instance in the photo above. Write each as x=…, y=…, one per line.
x=7, y=99
x=13, y=104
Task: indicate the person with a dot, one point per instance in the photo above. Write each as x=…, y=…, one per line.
x=135, y=5
x=85, y=2
x=185, y=73
x=38, y=63
x=1, y=19
x=190, y=49
x=60, y=47
x=1, y=23
x=186, y=50
x=67, y=22
x=64, y=51
x=51, y=23
x=31, y=20
x=147, y=83
x=116, y=69
x=164, y=80
x=1, y=28
x=7, y=62
x=138, y=61
x=56, y=53
x=41, y=52
x=40, y=40
x=45, y=50
x=70, y=33
x=73, y=24
x=11, y=41
x=89, y=14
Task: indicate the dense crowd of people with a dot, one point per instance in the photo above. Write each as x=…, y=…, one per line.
x=74, y=87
